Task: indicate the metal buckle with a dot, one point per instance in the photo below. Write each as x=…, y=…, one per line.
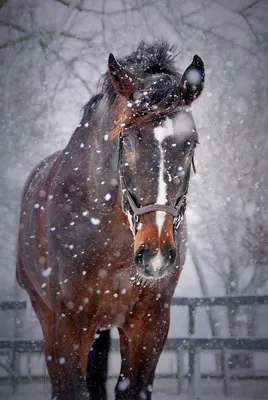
x=177, y=221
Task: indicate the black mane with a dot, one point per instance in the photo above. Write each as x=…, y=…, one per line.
x=147, y=59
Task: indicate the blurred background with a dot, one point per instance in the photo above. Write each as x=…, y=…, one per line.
x=52, y=54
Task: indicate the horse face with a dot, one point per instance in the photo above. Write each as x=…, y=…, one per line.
x=156, y=162
x=158, y=142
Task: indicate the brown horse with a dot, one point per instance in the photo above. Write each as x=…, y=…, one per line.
x=102, y=236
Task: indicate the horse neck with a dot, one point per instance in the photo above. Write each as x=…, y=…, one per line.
x=96, y=153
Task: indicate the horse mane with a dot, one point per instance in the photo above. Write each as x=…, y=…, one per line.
x=147, y=59
x=150, y=59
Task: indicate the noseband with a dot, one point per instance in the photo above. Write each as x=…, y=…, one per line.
x=129, y=204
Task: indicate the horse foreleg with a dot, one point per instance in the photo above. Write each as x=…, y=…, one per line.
x=98, y=366
x=66, y=350
x=142, y=342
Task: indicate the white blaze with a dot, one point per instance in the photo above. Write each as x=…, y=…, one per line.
x=157, y=262
x=161, y=132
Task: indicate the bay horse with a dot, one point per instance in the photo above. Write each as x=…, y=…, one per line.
x=102, y=235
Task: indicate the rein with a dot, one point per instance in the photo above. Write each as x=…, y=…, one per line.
x=177, y=212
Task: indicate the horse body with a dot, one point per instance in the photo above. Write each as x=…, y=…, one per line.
x=78, y=238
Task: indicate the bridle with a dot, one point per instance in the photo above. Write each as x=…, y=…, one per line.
x=129, y=204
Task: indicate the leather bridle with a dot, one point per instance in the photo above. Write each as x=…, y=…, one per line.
x=129, y=204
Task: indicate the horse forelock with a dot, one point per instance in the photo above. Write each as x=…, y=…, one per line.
x=154, y=64
x=160, y=97
x=146, y=60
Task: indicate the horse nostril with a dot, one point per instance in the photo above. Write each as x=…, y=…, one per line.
x=142, y=255
x=170, y=255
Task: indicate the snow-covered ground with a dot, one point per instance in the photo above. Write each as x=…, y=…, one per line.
x=164, y=389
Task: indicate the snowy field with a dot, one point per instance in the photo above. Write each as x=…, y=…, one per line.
x=164, y=389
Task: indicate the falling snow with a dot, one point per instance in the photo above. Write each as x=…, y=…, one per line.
x=46, y=272
x=94, y=221
x=227, y=218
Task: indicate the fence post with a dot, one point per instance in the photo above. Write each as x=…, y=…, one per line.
x=180, y=369
x=15, y=358
x=197, y=374
x=226, y=372
x=191, y=349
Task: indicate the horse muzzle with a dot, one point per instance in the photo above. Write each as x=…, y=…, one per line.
x=152, y=264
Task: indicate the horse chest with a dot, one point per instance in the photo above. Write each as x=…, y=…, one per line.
x=104, y=302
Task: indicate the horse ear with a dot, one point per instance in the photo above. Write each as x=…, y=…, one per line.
x=192, y=81
x=123, y=80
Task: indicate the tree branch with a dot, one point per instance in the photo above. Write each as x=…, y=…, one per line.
x=14, y=42
x=2, y=3
x=91, y=10
x=251, y=5
x=14, y=26
x=35, y=35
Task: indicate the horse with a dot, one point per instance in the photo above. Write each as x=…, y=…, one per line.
x=102, y=232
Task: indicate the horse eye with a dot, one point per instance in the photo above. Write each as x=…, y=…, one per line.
x=129, y=142
x=191, y=145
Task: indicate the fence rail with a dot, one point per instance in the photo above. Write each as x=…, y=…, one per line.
x=13, y=305
x=213, y=343
x=241, y=300
x=194, y=345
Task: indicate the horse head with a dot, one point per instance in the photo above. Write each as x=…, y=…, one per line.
x=156, y=142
